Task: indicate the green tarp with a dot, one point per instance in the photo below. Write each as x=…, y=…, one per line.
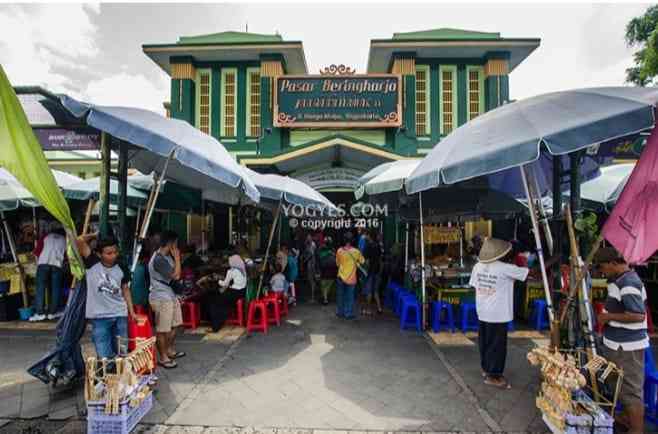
x=22, y=156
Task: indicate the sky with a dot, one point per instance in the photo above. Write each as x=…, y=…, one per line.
x=93, y=51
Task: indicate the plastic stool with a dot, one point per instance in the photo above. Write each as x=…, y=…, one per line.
x=469, y=320
x=272, y=304
x=191, y=314
x=237, y=318
x=410, y=305
x=398, y=300
x=540, y=314
x=510, y=326
x=139, y=331
x=254, y=323
x=650, y=387
x=437, y=308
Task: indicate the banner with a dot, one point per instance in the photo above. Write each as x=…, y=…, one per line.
x=61, y=139
x=337, y=101
x=441, y=235
x=22, y=156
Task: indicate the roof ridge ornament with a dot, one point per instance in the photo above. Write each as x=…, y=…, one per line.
x=337, y=70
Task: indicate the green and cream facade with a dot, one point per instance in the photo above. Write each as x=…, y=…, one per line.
x=224, y=85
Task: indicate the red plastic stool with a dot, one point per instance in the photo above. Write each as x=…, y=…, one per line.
x=257, y=322
x=273, y=314
x=237, y=317
x=191, y=314
x=598, y=308
x=137, y=331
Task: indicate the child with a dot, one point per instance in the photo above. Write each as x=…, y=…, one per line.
x=278, y=281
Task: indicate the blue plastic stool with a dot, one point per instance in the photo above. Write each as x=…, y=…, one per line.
x=398, y=300
x=510, y=326
x=469, y=317
x=650, y=387
x=437, y=308
x=391, y=295
x=410, y=305
x=539, y=314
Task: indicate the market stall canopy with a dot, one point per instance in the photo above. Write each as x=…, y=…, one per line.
x=292, y=191
x=90, y=189
x=386, y=177
x=14, y=195
x=199, y=160
x=518, y=133
x=601, y=193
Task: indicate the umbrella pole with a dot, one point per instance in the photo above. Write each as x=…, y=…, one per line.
x=12, y=247
x=422, y=261
x=461, y=245
x=540, y=253
x=150, y=207
x=542, y=212
x=267, y=250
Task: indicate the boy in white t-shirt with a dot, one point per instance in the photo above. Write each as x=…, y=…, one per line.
x=493, y=279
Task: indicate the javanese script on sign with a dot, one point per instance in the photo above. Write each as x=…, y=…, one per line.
x=335, y=101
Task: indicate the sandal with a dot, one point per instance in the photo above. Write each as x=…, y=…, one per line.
x=178, y=355
x=500, y=383
x=168, y=365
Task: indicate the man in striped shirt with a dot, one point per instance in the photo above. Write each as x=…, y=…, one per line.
x=625, y=332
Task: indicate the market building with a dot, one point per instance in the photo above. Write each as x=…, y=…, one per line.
x=255, y=94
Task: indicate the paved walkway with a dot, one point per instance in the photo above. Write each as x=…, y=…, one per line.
x=320, y=372
x=315, y=373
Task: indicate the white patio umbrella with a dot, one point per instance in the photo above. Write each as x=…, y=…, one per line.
x=601, y=194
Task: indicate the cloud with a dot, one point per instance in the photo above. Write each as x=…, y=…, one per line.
x=129, y=90
x=39, y=43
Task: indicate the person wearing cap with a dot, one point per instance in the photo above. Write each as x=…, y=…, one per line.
x=625, y=335
x=493, y=278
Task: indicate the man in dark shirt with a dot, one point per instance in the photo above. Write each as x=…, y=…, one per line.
x=373, y=255
x=625, y=335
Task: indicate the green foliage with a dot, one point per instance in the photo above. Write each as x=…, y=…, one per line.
x=643, y=32
x=588, y=229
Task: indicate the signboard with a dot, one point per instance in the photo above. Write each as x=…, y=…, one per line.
x=61, y=139
x=333, y=101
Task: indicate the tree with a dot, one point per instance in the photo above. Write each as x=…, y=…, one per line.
x=642, y=32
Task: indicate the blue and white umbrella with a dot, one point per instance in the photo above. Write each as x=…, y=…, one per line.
x=199, y=161
x=601, y=193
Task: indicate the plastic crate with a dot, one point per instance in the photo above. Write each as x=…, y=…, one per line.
x=100, y=423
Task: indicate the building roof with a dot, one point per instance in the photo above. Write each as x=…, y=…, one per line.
x=443, y=34
x=229, y=38
x=43, y=108
x=447, y=43
x=230, y=47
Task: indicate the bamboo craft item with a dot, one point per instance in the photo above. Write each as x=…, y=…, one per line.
x=577, y=287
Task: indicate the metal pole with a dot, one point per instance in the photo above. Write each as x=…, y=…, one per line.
x=14, y=255
x=104, y=198
x=422, y=260
x=148, y=212
x=557, y=217
x=540, y=253
x=542, y=212
x=406, y=248
x=35, y=226
x=461, y=245
x=123, y=196
x=269, y=245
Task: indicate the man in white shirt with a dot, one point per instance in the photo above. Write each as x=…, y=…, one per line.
x=50, y=274
x=493, y=279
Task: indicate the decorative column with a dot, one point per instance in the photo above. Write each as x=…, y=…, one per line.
x=496, y=83
x=183, y=74
x=405, y=65
x=269, y=143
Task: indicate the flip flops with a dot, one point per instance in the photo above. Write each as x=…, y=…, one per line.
x=178, y=355
x=501, y=383
x=168, y=365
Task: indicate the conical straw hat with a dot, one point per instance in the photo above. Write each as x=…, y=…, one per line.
x=494, y=249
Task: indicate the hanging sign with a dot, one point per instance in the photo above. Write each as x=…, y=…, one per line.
x=441, y=235
x=334, y=101
x=62, y=139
